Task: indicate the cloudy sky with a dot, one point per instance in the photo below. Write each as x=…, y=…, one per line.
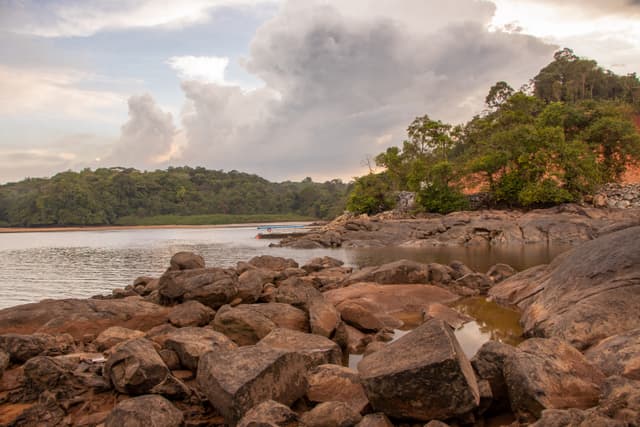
x=282, y=88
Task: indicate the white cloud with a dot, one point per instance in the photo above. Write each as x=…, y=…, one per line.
x=54, y=91
x=208, y=69
x=87, y=17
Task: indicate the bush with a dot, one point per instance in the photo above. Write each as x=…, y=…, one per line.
x=371, y=194
x=442, y=199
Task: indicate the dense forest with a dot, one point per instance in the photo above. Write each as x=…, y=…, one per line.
x=123, y=196
x=553, y=141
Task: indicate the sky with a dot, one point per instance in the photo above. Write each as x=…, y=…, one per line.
x=282, y=88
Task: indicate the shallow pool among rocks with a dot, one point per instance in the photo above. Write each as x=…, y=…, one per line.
x=491, y=322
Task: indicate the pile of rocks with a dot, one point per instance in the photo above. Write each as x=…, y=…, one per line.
x=620, y=196
x=264, y=344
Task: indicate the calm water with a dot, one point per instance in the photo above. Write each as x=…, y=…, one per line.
x=43, y=265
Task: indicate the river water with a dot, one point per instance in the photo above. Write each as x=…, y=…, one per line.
x=39, y=265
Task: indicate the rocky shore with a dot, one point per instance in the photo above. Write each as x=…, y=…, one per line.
x=566, y=224
x=266, y=344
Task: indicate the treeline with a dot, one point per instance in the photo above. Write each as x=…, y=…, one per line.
x=105, y=196
x=553, y=141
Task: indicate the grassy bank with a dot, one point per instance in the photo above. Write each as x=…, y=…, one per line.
x=212, y=219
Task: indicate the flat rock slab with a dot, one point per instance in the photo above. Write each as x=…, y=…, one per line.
x=424, y=375
x=317, y=349
x=550, y=374
x=237, y=380
x=81, y=317
x=392, y=298
x=618, y=355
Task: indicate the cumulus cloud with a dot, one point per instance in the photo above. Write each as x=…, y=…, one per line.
x=340, y=77
x=209, y=69
x=69, y=18
x=147, y=139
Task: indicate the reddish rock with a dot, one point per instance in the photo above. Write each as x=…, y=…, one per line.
x=191, y=313
x=331, y=414
x=145, y=411
x=186, y=261
x=191, y=343
x=618, y=355
x=212, y=287
x=270, y=413
x=269, y=262
x=21, y=348
x=316, y=349
x=336, y=383
x=115, y=335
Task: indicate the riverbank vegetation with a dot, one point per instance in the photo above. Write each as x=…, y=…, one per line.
x=553, y=141
x=181, y=196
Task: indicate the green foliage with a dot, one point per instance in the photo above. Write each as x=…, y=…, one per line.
x=214, y=219
x=442, y=199
x=371, y=194
x=118, y=195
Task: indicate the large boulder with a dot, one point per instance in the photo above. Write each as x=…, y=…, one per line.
x=488, y=363
x=21, y=348
x=424, y=375
x=583, y=296
x=331, y=414
x=317, y=349
x=250, y=284
x=336, y=383
x=269, y=262
x=145, y=411
x=115, y=335
x=366, y=315
x=191, y=313
x=212, y=287
x=237, y=380
x=191, y=343
x=620, y=399
x=618, y=355
x=136, y=368
x=270, y=413
x=247, y=324
x=186, y=261
x=550, y=374
x=82, y=317
x=323, y=316
x=5, y=359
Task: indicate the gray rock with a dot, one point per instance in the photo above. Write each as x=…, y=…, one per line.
x=237, y=380
x=212, y=287
x=191, y=313
x=400, y=379
x=488, y=364
x=145, y=411
x=186, y=261
x=21, y=348
x=317, y=349
x=269, y=262
x=550, y=374
x=191, y=343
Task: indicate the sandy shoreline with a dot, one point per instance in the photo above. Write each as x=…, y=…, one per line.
x=4, y=230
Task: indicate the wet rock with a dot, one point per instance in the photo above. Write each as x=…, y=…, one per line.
x=550, y=374
x=375, y=420
x=186, y=261
x=403, y=271
x=399, y=380
x=270, y=413
x=620, y=399
x=618, y=355
x=81, y=317
x=488, y=364
x=331, y=414
x=585, y=295
x=250, y=284
x=439, y=274
x=212, y=287
x=4, y=362
x=458, y=269
x=115, y=335
x=500, y=272
x=574, y=418
x=145, y=411
x=135, y=368
x=453, y=318
x=316, y=349
x=248, y=323
x=362, y=314
x=323, y=316
x=237, y=380
x=191, y=343
x=269, y=262
x=191, y=313
x=21, y=348
x=336, y=383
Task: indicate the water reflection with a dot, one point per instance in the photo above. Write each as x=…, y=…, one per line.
x=84, y=263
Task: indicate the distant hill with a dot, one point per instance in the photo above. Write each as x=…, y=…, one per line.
x=109, y=196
